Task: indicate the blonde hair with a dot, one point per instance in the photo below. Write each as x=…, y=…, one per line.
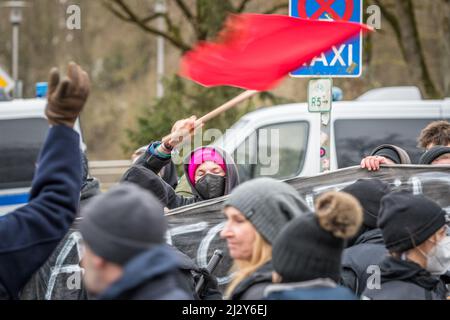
x=261, y=254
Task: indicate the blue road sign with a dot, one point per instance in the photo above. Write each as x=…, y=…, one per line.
x=343, y=61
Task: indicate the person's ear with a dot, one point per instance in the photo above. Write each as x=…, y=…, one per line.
x=441, y=234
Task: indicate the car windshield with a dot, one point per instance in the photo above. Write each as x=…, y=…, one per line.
x=356, y=139
x=20, y=142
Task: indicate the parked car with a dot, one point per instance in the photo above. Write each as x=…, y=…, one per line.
x=387, y=115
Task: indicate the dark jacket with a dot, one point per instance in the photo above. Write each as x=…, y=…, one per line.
x=252, y=287
x=66, y=254
x=31, y=233
x=91, y=188
x=153, y=275
x=319, y=289
x=145, y=173
x=406, y=280
x=368, y=250
x=165, y=168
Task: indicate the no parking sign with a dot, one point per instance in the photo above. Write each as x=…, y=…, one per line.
x=344, y=60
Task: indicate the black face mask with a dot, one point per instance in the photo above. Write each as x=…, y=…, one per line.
x=210, y=186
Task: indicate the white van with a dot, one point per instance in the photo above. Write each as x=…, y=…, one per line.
x=389, y=115
x=23, y=128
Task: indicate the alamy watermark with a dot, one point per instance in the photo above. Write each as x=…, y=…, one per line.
x=73, y=21
x=374, y=280
x=262, y=149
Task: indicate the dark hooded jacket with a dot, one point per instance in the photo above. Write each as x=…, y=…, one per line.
x=153, y=275
x=36, y=288
x=252, y=287
x=405, y=280
x=145, y=173
x=31, y=233
x=368, y=250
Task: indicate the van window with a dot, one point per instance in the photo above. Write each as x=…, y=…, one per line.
x=276, y=151
x=20, y=143
x=355, y=139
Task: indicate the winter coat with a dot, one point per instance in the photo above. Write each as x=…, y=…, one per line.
x=368, y=250
x=252, y=287
x=31, y=233
x=319, y=289
x=405, y=280
x=37, y=288
x=153, y=275
x=144, y=173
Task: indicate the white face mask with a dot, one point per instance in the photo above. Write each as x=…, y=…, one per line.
x=438, y=259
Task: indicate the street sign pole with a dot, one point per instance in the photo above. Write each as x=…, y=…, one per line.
x=320, y=100
x=344, y=61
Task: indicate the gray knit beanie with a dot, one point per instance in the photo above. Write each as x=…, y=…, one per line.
x=268, y=204
x=123, y=223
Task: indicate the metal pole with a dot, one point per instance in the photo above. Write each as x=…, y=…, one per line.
x=15, y=19
x=15, y=52
x=160, y=7
x=320, y=100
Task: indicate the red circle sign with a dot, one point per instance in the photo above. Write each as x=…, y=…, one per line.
x=325, y=7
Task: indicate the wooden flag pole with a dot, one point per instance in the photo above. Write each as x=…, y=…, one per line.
x=219, y=110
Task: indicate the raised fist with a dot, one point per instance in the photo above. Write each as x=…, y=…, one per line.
x=67, y=98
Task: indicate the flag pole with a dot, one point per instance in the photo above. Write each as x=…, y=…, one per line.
x=221, y=109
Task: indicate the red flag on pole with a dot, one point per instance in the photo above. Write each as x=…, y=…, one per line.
x=256, y=51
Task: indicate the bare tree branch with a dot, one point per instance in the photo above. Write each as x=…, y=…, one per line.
x=394, y=24
x=113, y=10
x=276, y=8
x=152, y=17
x=413, y=44
x=129, y=16
x=241, y=7
x=409, y=42
x=189, y=15
x=183, y=7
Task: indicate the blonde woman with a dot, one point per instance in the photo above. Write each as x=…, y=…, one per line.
x=256, y=211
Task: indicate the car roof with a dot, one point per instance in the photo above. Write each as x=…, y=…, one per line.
x=23, y=107
x=344, y=108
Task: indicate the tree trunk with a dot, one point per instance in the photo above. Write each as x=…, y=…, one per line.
x=413, y=50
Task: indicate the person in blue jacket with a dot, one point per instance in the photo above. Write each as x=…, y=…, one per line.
x=31, y=233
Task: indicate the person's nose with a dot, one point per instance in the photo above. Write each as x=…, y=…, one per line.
x=226, y=232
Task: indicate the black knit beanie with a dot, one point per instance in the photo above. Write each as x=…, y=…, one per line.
x=310, y=246
x=432, y=154
x=369, y=193
x=407, y=220
x=123, y=223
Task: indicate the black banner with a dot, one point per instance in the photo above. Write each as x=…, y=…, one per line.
x=195, y=229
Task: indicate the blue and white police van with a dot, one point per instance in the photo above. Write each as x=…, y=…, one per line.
x=23, y=128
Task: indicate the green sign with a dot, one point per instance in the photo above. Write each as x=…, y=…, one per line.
x=319, y=95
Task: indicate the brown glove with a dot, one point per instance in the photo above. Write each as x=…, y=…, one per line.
x=67, y=98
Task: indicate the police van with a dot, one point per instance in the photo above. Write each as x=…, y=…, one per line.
x=388, y=115
x=23, y=128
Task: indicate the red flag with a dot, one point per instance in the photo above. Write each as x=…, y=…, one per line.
x=256, y=51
